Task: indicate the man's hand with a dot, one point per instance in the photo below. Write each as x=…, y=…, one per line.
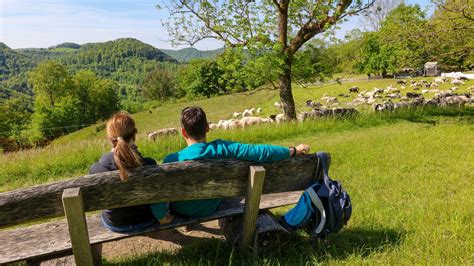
x=302, y=149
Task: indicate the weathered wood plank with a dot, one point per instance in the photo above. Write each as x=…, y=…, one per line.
x=167, y=182
x=252, y=202
x=77, y=226
x=52, y=238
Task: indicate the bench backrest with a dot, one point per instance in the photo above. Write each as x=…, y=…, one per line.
x=167, y=182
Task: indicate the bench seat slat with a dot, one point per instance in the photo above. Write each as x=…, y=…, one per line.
x=53, y=237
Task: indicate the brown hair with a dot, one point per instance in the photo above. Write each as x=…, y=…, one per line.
x=120, y=131
x=194, y=121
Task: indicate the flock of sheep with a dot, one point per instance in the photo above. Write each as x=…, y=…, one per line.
x=441, y=98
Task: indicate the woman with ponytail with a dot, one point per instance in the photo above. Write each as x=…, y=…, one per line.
x=121, y=132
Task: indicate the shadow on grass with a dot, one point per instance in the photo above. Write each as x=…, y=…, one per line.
x=295, y=250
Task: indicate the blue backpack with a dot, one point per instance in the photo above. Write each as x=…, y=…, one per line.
x=324, y=208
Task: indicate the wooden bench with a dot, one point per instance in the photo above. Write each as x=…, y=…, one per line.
x=191, y=180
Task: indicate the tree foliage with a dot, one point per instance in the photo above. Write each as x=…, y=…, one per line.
x=64, y=103
x=280, y=25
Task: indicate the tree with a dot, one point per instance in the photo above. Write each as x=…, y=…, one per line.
x=201, y=78
x=403, y=41
x=64, y=103
x=458, y=8
x=377, y=13
x=282, y=25
x=49, y=81
x=453, y=24
x=158, y=84
x=312, y=64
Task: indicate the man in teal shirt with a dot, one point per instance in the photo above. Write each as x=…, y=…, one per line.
x=194, y=128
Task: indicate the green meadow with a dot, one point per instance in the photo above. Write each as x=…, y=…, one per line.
x=410, y=175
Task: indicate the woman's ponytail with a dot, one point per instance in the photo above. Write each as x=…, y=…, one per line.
x=121, y=131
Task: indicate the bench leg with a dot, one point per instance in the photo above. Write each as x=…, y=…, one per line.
x=77, y=225
x=252, y=205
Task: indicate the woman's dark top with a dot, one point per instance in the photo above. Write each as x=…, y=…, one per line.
x=126, y=215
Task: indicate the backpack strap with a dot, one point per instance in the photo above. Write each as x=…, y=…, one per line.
x=323, y=157
x=317, y=202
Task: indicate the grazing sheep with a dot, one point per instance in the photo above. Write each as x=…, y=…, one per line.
x=371, y=100
x=214, y=126
x=354, y=89
x=277, y=104
x=247, y=112
x=230, y=124
x=250, y=121
x=236, y=114
x=413, y=95
x=394, y=95
x=401, y=105
x=331, y=100
x=344, y=112
x=432, y=102
x=404, y=99
x=425, y=91
x=455, y=100
x=457, y=82
x=385, y=106
x=280, y=118
x=310, y=103
x=162, y=132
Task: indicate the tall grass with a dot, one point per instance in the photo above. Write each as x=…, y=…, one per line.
x=411, y=185
x=72, y=159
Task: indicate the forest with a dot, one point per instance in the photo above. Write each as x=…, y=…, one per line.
x=49, y=92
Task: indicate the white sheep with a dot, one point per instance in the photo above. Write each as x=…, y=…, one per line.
x=331, y=100
x=259, y=110
x=457, y=82
x=236, y=114
x=455, y=100
x=277, y=104
x=214, y=126
x=280, y=118
x=230, y=124
x=250, y=121
x=162, y=132
x=247, y=112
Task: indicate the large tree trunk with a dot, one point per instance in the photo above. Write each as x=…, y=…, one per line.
x=286, y=94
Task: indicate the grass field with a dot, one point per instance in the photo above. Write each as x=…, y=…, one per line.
x=410, y=176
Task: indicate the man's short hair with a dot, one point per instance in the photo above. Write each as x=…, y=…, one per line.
x=194, y=121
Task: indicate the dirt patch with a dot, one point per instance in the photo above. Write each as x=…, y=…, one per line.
x=166, y=240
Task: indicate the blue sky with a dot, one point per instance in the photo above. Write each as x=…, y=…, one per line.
x=42, y=23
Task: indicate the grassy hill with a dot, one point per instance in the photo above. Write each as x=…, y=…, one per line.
x=187, y=54
x=407, y=173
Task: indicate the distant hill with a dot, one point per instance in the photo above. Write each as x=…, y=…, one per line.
x=70, y=45
x=187, y=54
x=124, y=60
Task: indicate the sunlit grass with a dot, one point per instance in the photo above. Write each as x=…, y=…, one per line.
x=409, y=174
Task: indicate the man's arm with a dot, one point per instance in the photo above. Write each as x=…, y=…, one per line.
x=260, y=153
